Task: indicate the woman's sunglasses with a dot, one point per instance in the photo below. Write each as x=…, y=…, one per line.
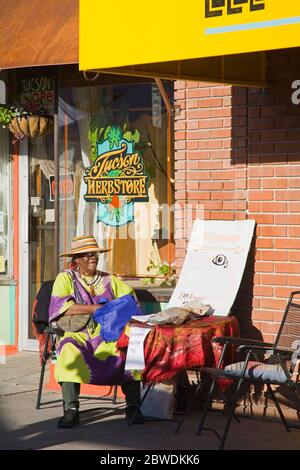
x=87, y=255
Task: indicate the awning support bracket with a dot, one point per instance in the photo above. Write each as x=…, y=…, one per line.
x=172, y=111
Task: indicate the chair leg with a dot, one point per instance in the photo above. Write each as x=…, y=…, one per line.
x=114, y=400
x=231, y=413
x=150, y=386
x=44, y=361
x=208, y=400
x=234, y=415
x=278, y=407
x=187, y=411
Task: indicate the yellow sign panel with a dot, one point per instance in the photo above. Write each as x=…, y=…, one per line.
x=132, y=32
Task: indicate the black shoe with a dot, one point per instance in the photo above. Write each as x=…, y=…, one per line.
x=69, y=419
x=138, y=418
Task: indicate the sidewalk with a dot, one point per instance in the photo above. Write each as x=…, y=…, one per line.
x=24, y=427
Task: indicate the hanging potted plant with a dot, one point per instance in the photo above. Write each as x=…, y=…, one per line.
x=25, y=123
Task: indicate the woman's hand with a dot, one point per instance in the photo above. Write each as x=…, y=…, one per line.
x=80, y=309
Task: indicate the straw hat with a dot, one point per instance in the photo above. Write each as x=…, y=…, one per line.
x=84, y=244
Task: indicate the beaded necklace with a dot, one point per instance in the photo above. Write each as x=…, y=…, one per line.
x=91, y=284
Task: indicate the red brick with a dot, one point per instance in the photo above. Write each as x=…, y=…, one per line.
x=199, y=114
x=272, y=231
x=288, y=170
x=289, y=243
x=198, y=154
x=288, y=195
x=220, y=133
x=199, y=93
x=210, y=103
x=293, y=255
x=274, y=183
x=273, y=279
x=264, y=219
x=294, y=207
x=221, y=91
x=263, y=171
x=273, y=255
x=261, y=195
x=192, y=104
x=199, y=134
x=270, y=327
x=273, y=207
x=220, y=112
x=210, y=123
x=262, y=315
x=288, y=268
x=287, y=219
x=264, y=267
x=293, y=281
x=283, y=292
x=294, y=182
x=294, y=231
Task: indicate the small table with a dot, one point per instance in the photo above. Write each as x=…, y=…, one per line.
x=170, y=349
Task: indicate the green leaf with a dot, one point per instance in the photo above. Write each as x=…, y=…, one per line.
x=114, y=173
x=136, y=136
x=114, y=137
x=106, y=132
x=128, y=136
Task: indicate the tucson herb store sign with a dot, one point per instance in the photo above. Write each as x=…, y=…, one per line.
x=116, y=173
x=116, y=179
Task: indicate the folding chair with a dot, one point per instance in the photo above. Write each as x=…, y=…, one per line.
x=278, y=369
x=49, y=352
x=47, y=334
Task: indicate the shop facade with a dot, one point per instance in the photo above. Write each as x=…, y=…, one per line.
x=236, y=156
x=117, y=128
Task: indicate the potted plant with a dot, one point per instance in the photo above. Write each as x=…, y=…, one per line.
x=162, y=271
x=25, y=123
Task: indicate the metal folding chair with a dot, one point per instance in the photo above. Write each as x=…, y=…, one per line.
x=278, y=366
x=47, y=334
x=49, y=353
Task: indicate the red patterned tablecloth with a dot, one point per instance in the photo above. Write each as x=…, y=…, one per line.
x=169, y=349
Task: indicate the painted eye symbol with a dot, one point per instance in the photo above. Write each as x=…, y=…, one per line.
x=220, y=260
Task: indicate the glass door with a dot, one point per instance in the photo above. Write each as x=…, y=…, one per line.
x=41, y=216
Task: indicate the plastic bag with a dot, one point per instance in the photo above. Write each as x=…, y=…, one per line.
x=159, y=402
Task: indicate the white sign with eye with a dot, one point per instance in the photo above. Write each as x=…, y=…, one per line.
x=214, y=264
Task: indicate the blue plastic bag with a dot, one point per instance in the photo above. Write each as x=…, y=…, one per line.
x=114, y=315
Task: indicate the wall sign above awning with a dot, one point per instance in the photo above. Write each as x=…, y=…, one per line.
x=216, y=40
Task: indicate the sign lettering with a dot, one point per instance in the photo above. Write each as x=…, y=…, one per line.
x=66, y=186
x=231, y=7
x=116, y=179
x=37, y=92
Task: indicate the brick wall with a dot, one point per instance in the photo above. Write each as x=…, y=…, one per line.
x=237, y=153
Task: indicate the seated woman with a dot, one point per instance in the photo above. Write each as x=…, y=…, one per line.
x=84, y=357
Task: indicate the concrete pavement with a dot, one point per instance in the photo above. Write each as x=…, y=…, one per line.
x=24, y=427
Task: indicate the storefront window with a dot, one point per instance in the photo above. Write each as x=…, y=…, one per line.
x=115, y=182
x=41, y=212
x=5, y=209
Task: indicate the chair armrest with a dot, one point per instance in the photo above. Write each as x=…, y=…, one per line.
x=51, y=329
x=257, y=348
x=239, y=341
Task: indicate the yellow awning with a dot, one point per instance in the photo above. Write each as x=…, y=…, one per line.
x=213, y=40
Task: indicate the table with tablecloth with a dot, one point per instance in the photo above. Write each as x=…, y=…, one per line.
x=170, y=349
